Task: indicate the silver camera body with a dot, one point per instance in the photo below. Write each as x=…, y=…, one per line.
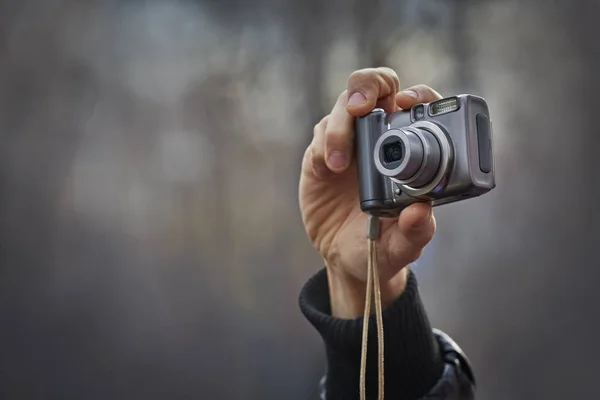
x=439, y=152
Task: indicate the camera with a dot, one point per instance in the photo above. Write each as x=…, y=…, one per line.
x=439, y=152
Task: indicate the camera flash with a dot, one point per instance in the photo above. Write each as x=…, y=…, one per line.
x=443, y=106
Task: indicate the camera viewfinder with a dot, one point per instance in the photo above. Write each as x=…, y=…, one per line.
x=418, y=112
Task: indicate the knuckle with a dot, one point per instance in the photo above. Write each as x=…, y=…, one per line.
x=382, y=80
x=389, y=75
x=315, y=153
x=335, y=133
x=362, y=75
x=427, y=91
x=309, y=160
x=335, y=141
x=308, y=153
x=423, y=88
x=315, y=149
x=318, y=128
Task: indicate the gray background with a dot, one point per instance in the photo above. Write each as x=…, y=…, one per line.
x=150, y=239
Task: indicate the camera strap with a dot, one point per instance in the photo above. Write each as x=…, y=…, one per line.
x=373, y=294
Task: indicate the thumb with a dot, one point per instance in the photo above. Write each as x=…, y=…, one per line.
x=416, y=226
x=415, y=95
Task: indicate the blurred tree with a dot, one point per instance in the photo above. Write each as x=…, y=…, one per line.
x=311, y=29
x=462, y=46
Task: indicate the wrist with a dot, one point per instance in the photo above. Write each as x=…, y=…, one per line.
x=347, y=293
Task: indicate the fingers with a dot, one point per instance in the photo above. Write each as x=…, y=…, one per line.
x=317, y=149
x=371, y=87
x=367, y=89
x=332, y=147
x=415, y=95
x=416, y=226
x=339, y=136
x=416, y=223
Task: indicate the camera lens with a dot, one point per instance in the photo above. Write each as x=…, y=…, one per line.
x=392, y=152
x=409, y=155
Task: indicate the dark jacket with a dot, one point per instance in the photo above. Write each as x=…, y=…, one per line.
x=420, y=363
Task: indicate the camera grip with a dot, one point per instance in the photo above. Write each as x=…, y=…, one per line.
x=372, y=189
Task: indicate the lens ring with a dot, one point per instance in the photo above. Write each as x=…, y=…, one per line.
x=416, y=175
x=412, y=157
x=447, y=158
x=431, y=159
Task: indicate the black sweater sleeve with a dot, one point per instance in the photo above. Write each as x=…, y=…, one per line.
x=413, y=360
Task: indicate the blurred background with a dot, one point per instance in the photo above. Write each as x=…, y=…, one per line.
x=150, y=240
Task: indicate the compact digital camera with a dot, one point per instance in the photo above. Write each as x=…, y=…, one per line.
x=440, y=152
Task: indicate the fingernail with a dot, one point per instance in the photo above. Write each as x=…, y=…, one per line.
x=357, y=99
x=337, y=160
x=423, y=220
x=411, y=93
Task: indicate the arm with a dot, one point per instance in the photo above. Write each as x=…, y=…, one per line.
x=421, y=363
x=333, y=301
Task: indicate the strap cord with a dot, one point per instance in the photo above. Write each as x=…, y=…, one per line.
x=373, y=295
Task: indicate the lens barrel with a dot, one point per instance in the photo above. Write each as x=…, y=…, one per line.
x=410, y=156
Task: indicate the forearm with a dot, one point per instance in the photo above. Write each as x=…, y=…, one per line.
x=414, y=363
x=347, y=294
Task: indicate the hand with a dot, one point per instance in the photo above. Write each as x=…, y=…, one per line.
x=329, y=200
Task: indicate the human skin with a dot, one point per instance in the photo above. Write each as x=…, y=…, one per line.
x=329, y=202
